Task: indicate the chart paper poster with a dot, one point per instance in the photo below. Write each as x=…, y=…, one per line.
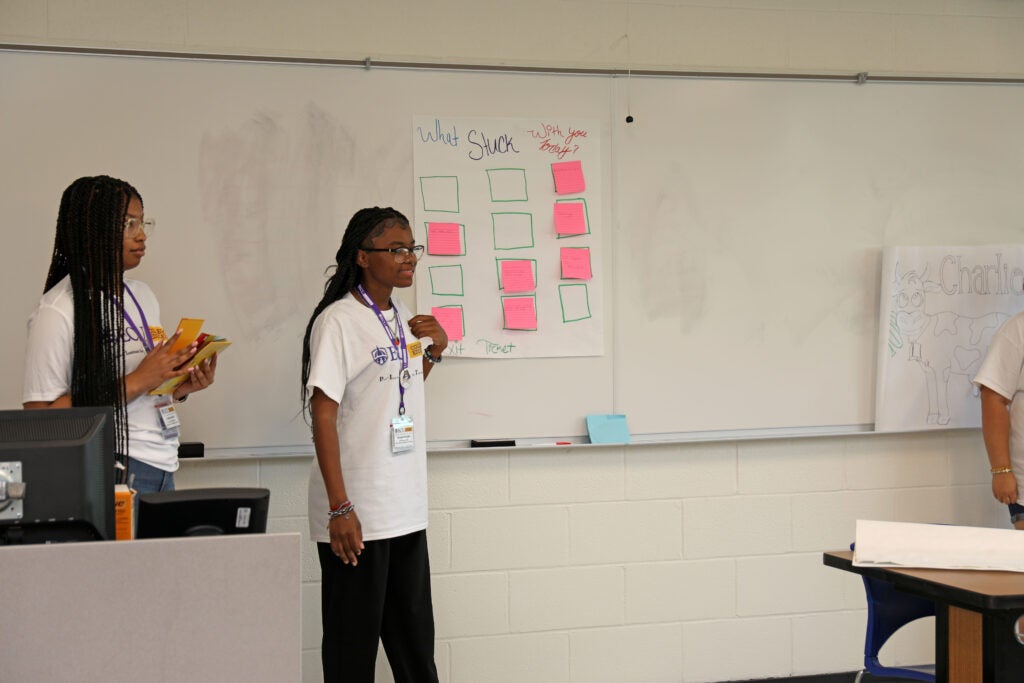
x=939, y=310
x=502, y=199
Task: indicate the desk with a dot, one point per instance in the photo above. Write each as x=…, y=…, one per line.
x=975, y=617
x=210, y=608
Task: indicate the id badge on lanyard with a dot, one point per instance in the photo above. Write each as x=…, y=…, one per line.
x=403, y=437
x=169, y=423
x=403, y=434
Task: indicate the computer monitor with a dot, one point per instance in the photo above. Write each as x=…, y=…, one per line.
x=56, y=475
x=202, y=512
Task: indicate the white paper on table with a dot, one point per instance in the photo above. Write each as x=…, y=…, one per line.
x=937, y=546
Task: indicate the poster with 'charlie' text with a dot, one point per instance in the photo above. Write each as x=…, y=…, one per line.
x=940, y=308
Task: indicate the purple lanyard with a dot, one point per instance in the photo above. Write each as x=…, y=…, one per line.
x=147, y=341
x=403, y=351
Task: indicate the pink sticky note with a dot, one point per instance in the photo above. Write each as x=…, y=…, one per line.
x=444, y=239
x=569, y=218
x=576, y=263
x=520, y=312
x=568, y=177
x=517, y=276
x=450, y=319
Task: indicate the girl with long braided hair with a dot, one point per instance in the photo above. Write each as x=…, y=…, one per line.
x=364, y=360
x=96, y=339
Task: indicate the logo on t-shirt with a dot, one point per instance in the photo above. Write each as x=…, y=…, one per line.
x=379, y=355
x=382, y=354
x=135, y=343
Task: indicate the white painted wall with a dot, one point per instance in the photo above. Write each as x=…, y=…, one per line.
x=693, y=562
x=962, y=37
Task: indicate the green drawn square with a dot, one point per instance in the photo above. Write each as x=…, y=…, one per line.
x=508, y=184
x=576, y=280
x=462, y=239
x=577, y=298
x=497, y=265
x=440, y=193
x=462, y=317
x=512, y=230
x=586, y=217
x=447, y=280
x=518, y=296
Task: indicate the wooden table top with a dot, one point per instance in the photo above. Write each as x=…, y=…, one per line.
x=978, y=589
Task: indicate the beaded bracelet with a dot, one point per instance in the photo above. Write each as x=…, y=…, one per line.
x=342, y=510
x=431, y=358
x=1002, y=470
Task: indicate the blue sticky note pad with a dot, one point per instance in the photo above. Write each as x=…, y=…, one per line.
x=607, y=429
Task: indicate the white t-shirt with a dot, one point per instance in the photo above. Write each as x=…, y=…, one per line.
x=1002, y=371
x=48, y=358
x=353, y=362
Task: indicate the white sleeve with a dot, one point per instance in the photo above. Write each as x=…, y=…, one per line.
x=1001, y=369
x=327, y=367
x=48, y=355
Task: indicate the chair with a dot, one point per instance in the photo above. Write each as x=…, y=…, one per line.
x=888, y=611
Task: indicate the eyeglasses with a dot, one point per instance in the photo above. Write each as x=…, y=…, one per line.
x=401, y=253
x=133, y=225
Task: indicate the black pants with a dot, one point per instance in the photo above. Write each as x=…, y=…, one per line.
x=385, y=597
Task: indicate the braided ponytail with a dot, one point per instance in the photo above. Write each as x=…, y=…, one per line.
x=88, y=248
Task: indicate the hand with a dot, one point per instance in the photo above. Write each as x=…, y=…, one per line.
x=157, y=367
x=427, y=326
x=1004, y=487
x=346, y=537
x=200, y=377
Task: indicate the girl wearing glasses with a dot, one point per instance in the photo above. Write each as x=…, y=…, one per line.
x=96, y=339
x=364, y=360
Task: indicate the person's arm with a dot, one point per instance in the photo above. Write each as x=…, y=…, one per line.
x=427, y=326
x=995, y=429
x=59, y=402
x=346, y=531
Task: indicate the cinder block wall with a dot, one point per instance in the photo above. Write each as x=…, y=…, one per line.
x=686, y=562
x=689, y=562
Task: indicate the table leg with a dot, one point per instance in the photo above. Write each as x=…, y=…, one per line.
x=941, y=643
x=965, y=646
x=1004, y=654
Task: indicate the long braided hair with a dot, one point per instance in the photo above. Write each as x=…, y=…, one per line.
x=88, y=247
x=365, y=225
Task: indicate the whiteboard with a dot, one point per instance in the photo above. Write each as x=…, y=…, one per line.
x=252, y=172
x=744, y=222
x=751, y=217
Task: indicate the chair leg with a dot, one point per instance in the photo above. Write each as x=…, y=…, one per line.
x=859, y=674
